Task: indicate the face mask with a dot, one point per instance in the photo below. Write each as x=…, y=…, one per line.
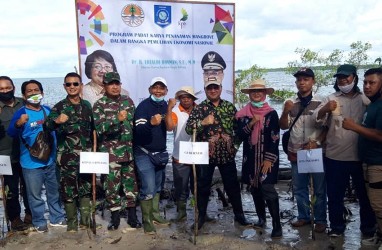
x=157, y=99
x=35, y=99
x=7, y=96
x=257, y=104
x=347, y=88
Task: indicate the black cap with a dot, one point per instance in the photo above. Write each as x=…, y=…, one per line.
x=212, y=60
x=346, y=70
x=304, y=72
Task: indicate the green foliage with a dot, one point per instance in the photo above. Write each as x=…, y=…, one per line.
x=282, y=94
x=243, y=80
x=325, y=66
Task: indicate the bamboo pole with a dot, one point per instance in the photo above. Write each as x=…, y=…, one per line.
x=196, y=212
x=94, y=207
x=312, y=201
x=5, y=202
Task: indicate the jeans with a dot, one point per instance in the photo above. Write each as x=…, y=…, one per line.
x=151, y=178
x=13, y=202
x=301, y=192
x=35, y=179
x=181, y=174
x=337, y=178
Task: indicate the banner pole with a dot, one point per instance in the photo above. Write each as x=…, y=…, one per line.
x=94, y=207
x=196, y=212
x=5, y=202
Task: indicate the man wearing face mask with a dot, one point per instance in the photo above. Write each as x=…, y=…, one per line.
x=26, y=123
x=150, y=136
x=341, y=158
x=9, y=104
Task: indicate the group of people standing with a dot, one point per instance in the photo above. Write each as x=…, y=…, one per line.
x=101, y=117
x=347, y=126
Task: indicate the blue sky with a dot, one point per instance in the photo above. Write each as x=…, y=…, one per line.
x=39, y=39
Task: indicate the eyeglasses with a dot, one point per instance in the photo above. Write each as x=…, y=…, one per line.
x=69, y=84
x=99, y=67
x=212, y=72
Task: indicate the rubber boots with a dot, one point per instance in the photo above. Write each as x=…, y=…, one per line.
x=157, y=219
x=274, y=210
x=260, y=210
x=182, y=214
x=114, y=221
x=132, y=219
x=71, y=215
x=147, y=216
x=85, y=219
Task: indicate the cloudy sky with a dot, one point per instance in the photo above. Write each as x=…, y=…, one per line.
x=38, y=38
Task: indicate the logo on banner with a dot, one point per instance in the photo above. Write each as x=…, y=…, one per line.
x=223, y=25
x=162, y=15
x=91, y=32
x=132, y=15
x=182, y=22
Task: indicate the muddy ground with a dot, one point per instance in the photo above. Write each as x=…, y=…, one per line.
x=222, y=234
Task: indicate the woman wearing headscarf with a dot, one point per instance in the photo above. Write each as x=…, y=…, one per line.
x=258, y=127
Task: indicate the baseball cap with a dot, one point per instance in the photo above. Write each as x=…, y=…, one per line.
x=111, y=77
x=158, y=79
x=304, y=72
x=346, y=69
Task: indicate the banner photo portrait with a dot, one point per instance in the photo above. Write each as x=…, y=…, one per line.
x=145, y=39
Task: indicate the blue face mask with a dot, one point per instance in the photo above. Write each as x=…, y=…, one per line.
x=257, y=104
x=157, y=99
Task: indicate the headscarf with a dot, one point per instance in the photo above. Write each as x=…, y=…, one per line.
x=249, y=110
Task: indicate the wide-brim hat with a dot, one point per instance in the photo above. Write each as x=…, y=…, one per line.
x=185, y=90
x=258, y=84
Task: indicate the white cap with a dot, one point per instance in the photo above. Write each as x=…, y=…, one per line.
x=158, y=79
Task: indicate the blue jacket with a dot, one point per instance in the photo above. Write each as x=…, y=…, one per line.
x=29, y=132
x=152, y=138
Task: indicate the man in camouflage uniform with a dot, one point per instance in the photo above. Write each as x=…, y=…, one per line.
x=72, y=119
x=113, y=118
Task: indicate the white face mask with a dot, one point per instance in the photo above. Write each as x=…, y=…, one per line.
x=35, y=99
x=157, y=99
x=347, y=88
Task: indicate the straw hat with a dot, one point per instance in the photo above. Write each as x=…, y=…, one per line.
x=185, y=90
x=258, y=84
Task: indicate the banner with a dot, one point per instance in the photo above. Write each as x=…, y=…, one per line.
x=146, y=39
x=310, y=161
x=193, y=152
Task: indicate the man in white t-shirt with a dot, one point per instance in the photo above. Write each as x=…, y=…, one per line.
x=176, y=119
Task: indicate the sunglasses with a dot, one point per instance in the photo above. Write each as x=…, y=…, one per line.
x=69, y=84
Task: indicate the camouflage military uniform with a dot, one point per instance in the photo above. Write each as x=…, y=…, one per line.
x=115, y=137
x=73, y=136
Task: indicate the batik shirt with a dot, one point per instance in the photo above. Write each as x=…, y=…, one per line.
x=220, y=136
x=114, y=137
x=76, y=133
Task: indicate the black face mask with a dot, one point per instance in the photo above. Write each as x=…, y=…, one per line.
x=7, y=96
